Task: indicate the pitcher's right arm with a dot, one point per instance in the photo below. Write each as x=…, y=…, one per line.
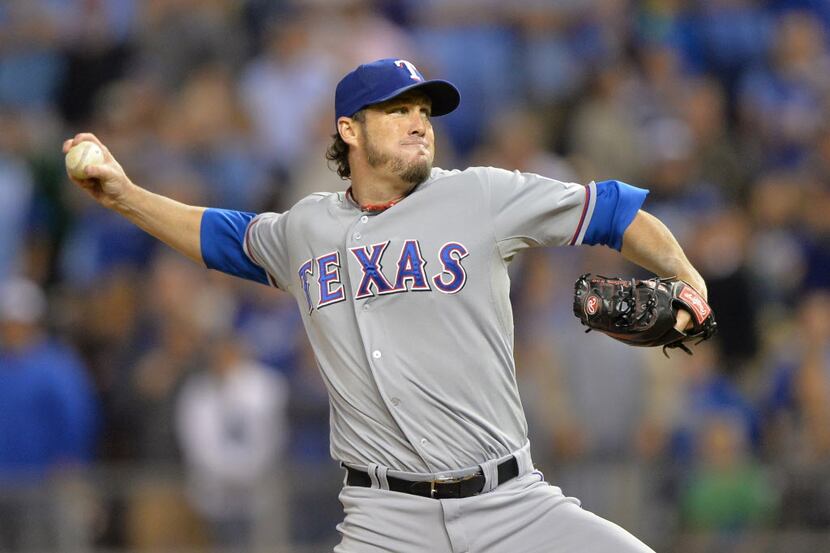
x=174, y=223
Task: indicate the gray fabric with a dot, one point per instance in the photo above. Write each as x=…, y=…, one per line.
x=420, y=381
x=524, y=515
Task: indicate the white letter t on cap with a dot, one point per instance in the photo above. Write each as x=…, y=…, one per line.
x=413, y=72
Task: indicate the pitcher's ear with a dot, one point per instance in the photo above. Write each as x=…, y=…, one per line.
x=349, y=130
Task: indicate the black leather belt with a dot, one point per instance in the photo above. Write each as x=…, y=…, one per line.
x=438, y=489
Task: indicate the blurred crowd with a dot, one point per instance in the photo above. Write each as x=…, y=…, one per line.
x=114, y=351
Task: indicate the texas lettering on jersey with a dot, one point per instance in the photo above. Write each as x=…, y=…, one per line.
x=410, y=273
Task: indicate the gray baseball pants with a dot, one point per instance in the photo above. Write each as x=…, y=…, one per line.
x=523, y=515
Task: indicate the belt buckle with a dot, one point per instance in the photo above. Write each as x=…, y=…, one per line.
x=433, y=492
x=448, y=480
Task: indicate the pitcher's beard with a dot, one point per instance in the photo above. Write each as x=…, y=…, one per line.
x=414, y=172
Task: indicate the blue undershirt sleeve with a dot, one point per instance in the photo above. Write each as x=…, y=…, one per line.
x=222, y=235
x=616, y=205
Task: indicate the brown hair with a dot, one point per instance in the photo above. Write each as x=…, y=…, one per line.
x=338, y=152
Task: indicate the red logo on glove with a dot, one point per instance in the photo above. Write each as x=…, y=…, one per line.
x=699, y=306
x=591, y=305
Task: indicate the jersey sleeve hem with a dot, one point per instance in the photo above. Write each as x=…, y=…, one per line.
x=587, y=214
x=249, y=251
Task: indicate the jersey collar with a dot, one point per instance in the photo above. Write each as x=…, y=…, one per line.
x=372, y=208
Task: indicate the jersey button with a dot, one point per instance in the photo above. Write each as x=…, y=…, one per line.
x=356, y=236
x=376, y=354
x=364, y=219
x=424, y=441
x=366, y=307
x=396, y=401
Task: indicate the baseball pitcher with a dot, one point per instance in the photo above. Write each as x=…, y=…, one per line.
x=403, y=286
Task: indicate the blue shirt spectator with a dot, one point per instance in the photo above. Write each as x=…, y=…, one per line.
x=709, y=395
x=47, y=405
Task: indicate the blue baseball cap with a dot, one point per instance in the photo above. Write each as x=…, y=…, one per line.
x=382, y=80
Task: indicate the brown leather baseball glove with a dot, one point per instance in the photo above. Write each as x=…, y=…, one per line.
x=642, y=312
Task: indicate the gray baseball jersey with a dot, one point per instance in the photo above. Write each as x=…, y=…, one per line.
x=409, y=316
x=408, y=310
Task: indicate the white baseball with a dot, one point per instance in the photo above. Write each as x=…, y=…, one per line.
x=80, y=156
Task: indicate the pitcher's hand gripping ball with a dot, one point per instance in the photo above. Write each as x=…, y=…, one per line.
x=80, y=156
x=642, y=312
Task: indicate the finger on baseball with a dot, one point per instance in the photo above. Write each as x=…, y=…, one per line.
x=85, y=137
x=89, y=137
x=83, y=183
x=67, y=144
x=98, y=172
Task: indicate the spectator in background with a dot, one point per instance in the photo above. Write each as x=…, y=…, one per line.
x=776, y=256
x=727, y=493
x=261, y=316
x=181, y=306
x=713, y=479
x=174, y=37
x=314, y=511
x=677, y=196
x=732, y=36
x=31, y=62
x=48, y=417
x=717, y=157
x=563, y=40
x=184, y=307
x=96, y=51
x=706, y=394
x=599, y=120
x=281, y=92
x=720, y=247
x=798, y=413
x=813, y=381
x=357, y=31
x=16, y=197
x=230, y=424
x=779, y=101
x=516, y=139
x=671, y=22
x=661, y=80
x=213, y=139
x=815, y=235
